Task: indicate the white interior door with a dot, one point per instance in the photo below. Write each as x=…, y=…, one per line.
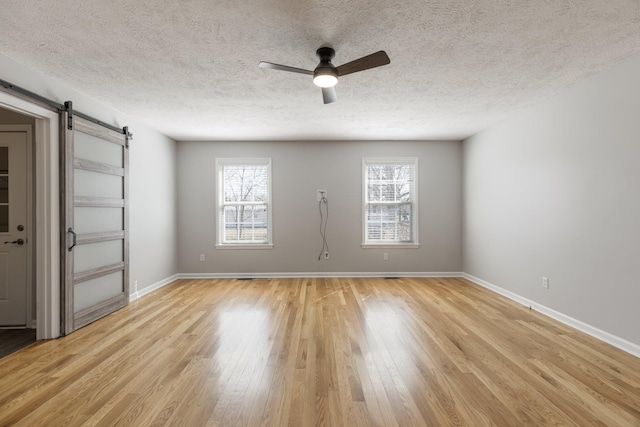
x=95, y=244
x=13, y=233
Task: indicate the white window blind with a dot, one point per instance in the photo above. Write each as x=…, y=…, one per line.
x=390, y=201
x=244, y=201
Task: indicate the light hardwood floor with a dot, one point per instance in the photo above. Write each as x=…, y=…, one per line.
x=334, y=352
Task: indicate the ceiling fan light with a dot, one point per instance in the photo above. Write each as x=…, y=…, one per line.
x=325, y=80
x=325, y=77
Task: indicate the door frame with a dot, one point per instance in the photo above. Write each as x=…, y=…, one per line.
x=46, y=212
x=30, y=220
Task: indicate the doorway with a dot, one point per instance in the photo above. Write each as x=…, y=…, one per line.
x=16, y=223
x=43, y=231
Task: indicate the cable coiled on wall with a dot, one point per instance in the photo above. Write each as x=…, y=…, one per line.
x=324, y=218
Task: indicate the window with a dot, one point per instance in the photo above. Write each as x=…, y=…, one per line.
x=244, y=203
x=390, y=202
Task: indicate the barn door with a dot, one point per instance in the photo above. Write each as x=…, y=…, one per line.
x=94, y=202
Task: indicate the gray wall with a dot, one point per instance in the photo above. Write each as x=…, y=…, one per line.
x=154, y=207
x=153, y=213
x=298, y=170
x=554, y=192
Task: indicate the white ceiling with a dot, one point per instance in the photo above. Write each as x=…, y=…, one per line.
x=190, y=68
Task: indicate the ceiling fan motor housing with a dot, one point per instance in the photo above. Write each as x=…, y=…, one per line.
x=326, y=53
x=325, y=71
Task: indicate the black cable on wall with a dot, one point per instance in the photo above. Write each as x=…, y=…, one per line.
x=324, y=218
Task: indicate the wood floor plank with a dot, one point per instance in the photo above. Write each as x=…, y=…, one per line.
x=322, y=352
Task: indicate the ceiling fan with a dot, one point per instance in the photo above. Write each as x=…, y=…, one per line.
x=326, y=74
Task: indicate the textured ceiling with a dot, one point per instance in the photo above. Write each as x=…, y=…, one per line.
x=190, y=68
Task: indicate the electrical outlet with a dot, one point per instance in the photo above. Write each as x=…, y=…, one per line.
x=545, y=282
x=320, y=194
x=326, y=255
x=201, y=257
x=385, y=256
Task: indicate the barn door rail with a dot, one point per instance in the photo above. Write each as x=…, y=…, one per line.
x=20, y=92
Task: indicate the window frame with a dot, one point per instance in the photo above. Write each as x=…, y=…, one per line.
x=220, y=203
x=394, y=161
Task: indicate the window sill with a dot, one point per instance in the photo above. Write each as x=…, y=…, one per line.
x=241, y=246
x=390, y=245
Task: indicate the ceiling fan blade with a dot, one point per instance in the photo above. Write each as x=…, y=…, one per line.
x=263, y=64
x=366, y=62
x=329, y=94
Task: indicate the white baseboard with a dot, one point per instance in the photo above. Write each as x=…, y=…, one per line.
x=302, y=274
x=615, y=341
x=148, y=289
